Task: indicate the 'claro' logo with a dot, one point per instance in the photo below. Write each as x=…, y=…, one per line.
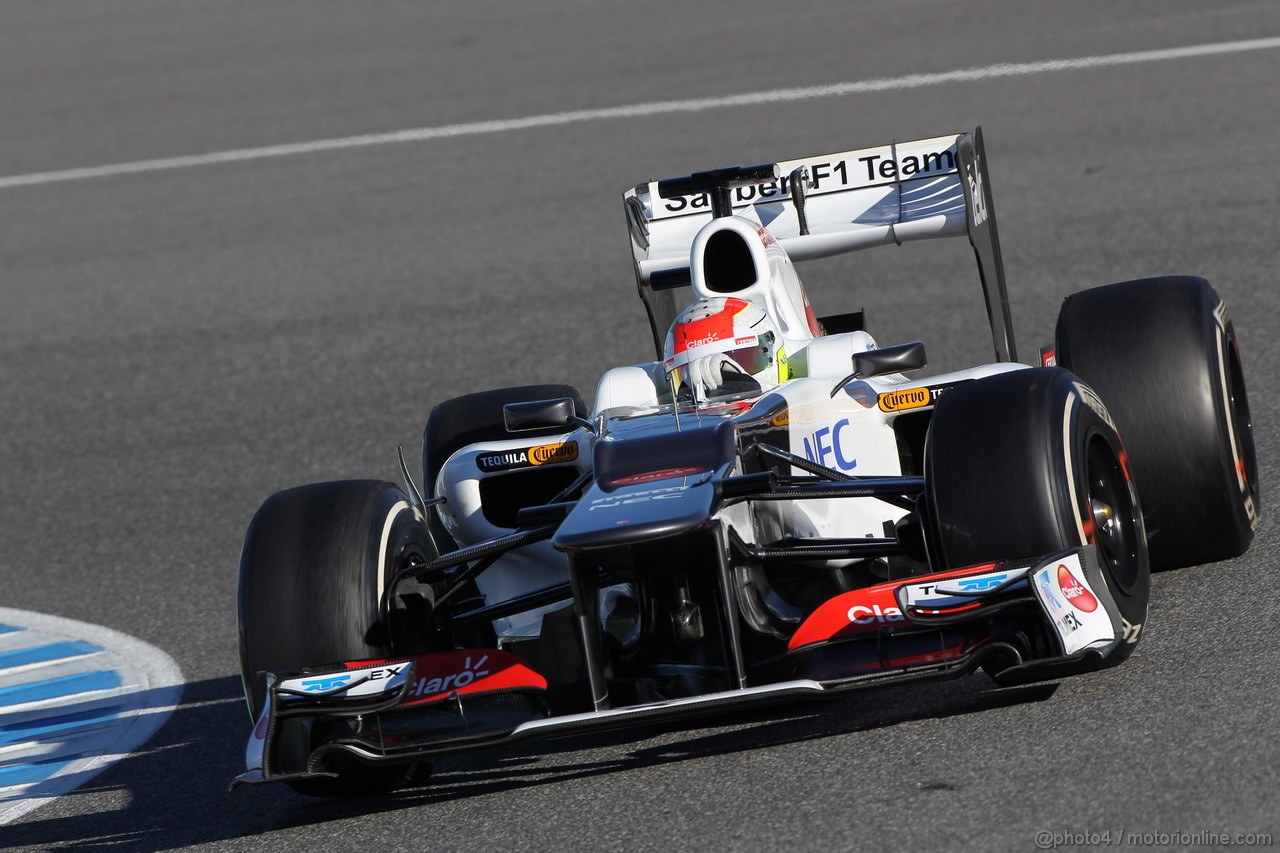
x=544, y=454
x=860, y=614
x=1075, y=592
x=897, y=401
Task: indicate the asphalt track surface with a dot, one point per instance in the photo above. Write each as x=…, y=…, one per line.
x=177, y=344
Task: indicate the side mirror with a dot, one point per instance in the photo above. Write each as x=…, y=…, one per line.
x=897, y=359
x=541, y=414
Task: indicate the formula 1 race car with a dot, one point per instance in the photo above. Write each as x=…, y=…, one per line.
x=773, y=508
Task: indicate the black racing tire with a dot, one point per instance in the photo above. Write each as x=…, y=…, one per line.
x=1027, y=463
x=1163, y=354
x=314, y=563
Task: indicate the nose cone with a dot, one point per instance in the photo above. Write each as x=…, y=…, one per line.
x=657, y=483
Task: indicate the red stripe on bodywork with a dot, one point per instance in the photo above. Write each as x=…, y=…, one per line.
x=866, y=611
x=441, y=674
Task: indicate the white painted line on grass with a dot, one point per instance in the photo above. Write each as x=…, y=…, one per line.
x=770, y=96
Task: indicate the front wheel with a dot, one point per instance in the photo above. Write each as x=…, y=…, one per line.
x=315, y=562
x=1027, y=463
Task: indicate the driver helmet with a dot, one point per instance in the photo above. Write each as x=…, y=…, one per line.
x=736, y=328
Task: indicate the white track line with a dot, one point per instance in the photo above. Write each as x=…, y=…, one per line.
x=421, y=134
x=151, y=688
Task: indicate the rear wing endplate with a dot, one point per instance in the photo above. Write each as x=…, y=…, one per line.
x=853, y=200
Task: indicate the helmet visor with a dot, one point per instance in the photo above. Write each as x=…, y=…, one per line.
x=751, y=359
x=756, y=357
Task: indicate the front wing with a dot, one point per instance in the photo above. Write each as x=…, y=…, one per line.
x=927, y=627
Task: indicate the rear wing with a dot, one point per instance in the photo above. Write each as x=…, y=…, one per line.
x=851, y=200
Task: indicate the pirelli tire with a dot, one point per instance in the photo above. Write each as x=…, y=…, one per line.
x=1163, y=354
x=1026, y=463
x=315, y=561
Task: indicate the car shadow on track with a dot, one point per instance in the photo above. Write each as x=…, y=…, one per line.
x=555, y=762
x=173, y=793
x=169, y=793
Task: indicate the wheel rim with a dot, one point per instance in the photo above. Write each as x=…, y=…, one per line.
x=1114, y=515
x=1242, y=420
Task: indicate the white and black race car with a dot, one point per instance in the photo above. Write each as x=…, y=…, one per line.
x=773, y=508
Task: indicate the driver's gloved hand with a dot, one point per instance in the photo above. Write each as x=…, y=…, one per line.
x=718, y=375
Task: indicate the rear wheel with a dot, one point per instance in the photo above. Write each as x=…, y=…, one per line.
x=1026, y=463
x=1163, y=354
x=315, y=561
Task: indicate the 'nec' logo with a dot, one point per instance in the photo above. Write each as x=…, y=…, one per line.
x=318, y=685
x=980, y=584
